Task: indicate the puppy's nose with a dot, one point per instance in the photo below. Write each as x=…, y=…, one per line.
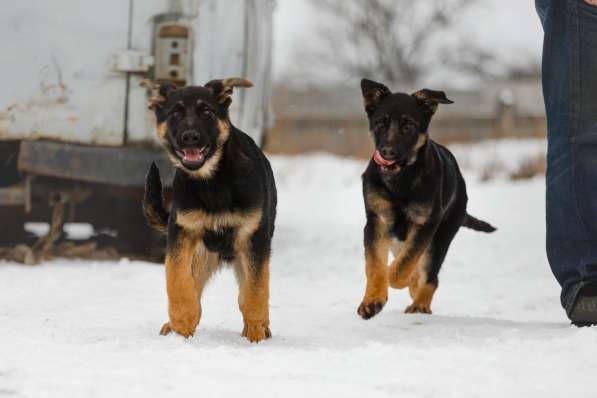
x=388, y=152
x=190, y=137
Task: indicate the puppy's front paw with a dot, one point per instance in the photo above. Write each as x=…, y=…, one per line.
x=256, y=331
x=417, y=309
x=368, y=309
x=168, y=328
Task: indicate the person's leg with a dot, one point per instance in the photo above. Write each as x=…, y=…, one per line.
x=569, y=88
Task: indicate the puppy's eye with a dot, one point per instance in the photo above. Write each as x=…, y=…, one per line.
x=177, y=113
x=205, y=112
x=381, y=123
x=408, y=128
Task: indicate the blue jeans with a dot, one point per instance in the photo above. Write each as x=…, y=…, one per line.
x=570, y=92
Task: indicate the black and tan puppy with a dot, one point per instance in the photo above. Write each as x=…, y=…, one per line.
x=223, y=205
x=415, y=198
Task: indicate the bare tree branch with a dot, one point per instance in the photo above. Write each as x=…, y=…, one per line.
x=395, y=40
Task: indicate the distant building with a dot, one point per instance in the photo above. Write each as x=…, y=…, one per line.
x=333, y=119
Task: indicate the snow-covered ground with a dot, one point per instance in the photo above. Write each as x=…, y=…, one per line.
x=77, y=328
x=498, y=158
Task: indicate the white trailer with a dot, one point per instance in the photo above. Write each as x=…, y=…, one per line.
x=71, y=108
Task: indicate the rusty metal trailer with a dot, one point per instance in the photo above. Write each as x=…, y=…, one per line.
x=75, y=132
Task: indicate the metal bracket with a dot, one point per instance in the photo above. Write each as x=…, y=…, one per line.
x=18, y=194
x=12, y=196
x=135, y=61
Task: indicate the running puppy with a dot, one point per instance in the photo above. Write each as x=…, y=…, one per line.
x=415, y=198
x=223, y=206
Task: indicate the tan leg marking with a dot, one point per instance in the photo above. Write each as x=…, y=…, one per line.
x=414, y=286
x=205, y=264
x=376, y=269
x=402, y=272
x=253, y=298
x=183, y=303
x=253, y=301
x=420, y=291
x=402, y=269
x=422, y=300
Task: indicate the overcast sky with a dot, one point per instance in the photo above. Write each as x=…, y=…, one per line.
x=511, y=28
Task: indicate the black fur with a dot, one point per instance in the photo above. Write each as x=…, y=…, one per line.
x=418, y=179
x=153, y=201
x=476, y=224
x=223, y=203
x=243, y=179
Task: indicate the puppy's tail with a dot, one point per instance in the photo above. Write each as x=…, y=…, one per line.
x=153, y=201
x=476, y=224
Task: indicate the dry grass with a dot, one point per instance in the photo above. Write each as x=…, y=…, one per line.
x=529, y=168
x=491, y=169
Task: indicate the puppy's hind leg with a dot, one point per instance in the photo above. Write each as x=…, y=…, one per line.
x=422, y=287
x=429, y=266
x=414, y=286
x=403, y=269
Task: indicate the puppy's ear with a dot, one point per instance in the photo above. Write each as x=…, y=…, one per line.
x=373, y=94
x=430, y=99
x=160, y=90
x=222, y=89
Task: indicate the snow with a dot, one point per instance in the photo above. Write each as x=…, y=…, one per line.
x=77, y=231
x=503, y=156
x=73, y=328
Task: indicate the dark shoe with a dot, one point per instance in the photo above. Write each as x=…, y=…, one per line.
x=584, y=311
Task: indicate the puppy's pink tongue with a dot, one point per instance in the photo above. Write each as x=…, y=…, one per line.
x=380, y=160
x=191, y=154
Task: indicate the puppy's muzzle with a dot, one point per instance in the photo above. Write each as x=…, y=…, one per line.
x=190, y=138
